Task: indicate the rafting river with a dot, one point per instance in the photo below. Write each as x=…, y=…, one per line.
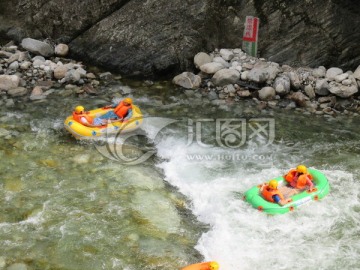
x=76, y=205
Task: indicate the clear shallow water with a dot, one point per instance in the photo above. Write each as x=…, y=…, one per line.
x=65, y=206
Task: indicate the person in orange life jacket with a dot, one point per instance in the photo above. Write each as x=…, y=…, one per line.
x=122, y=111
x=299, y=178
x=203, y=266
x=271, y=193
x=81, y=116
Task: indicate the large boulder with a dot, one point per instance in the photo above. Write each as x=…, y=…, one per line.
x=158, y=37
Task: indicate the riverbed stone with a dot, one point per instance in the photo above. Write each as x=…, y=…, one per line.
x=309, y=91
x=187, y=80
x=211, y=68
x=357, y=73
x=299, y=98
x=341, y=90
x=322, y=87
x=282, y=85
x=263, y=72
x=17, y=92
x=60, y=72
x=37, y=47
x=221, y=61
x=201, y=58
x=331, y=73
x=267, y=93
x=319, y=72
x=14, y=65
x=25, y=65
x=294, y=77
x=61, y=49
x=225, y=76
x=339, y=78
x=226, y=54
x=9, y=81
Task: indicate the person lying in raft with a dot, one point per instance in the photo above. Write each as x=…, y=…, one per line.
x=82, y=117
x=122, y=111
x=271, y=193
x=203, y=266
x=299, y=179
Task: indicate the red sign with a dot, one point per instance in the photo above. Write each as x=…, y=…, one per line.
x=251, y=29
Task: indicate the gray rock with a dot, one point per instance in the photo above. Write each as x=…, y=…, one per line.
x=267, y=93
x=17, y=92
x=347, y=82
x=37, y=93
x=244, y=75
x=37, y=47
x=331, y=73
x=309, y=91
x=342, y=90
x=263, y=72
x=357, y=73
x=319, y=72
x=25, y=65
x=212, y=95
x=187, y=80
x=229, y=88
x=225, y=76
x=221, y=61
x=339, y=78
x=211, y=68
x=294, y=79
x=73, y=76
x=82, y=72
x=299, y=98
x=322, y=87
x=282, y=85
x=243, y=93
x=226, y=54
x=14, y=65
x=9, y=81
x=38, y=58
x=201, y=58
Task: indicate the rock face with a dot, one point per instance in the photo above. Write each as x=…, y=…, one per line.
x=159, y=37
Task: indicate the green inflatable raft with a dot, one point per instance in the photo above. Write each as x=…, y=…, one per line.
x=321, y=185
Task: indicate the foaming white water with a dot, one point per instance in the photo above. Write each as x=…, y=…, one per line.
x=317, y=235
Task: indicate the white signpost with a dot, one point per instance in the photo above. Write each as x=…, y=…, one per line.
x=250, y=37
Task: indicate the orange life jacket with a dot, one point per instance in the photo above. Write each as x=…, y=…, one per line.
x=121, y=110
x=301, y=180
x=198, y=266
x=289, y=177
x=268, y=194
x=77, y=118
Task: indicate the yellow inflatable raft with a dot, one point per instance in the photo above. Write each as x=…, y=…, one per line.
x=80, y=131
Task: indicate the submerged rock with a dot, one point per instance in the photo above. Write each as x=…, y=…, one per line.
x=187, y=80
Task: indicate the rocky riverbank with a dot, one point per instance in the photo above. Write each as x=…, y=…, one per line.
x=36, y=69
x=230, y=75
